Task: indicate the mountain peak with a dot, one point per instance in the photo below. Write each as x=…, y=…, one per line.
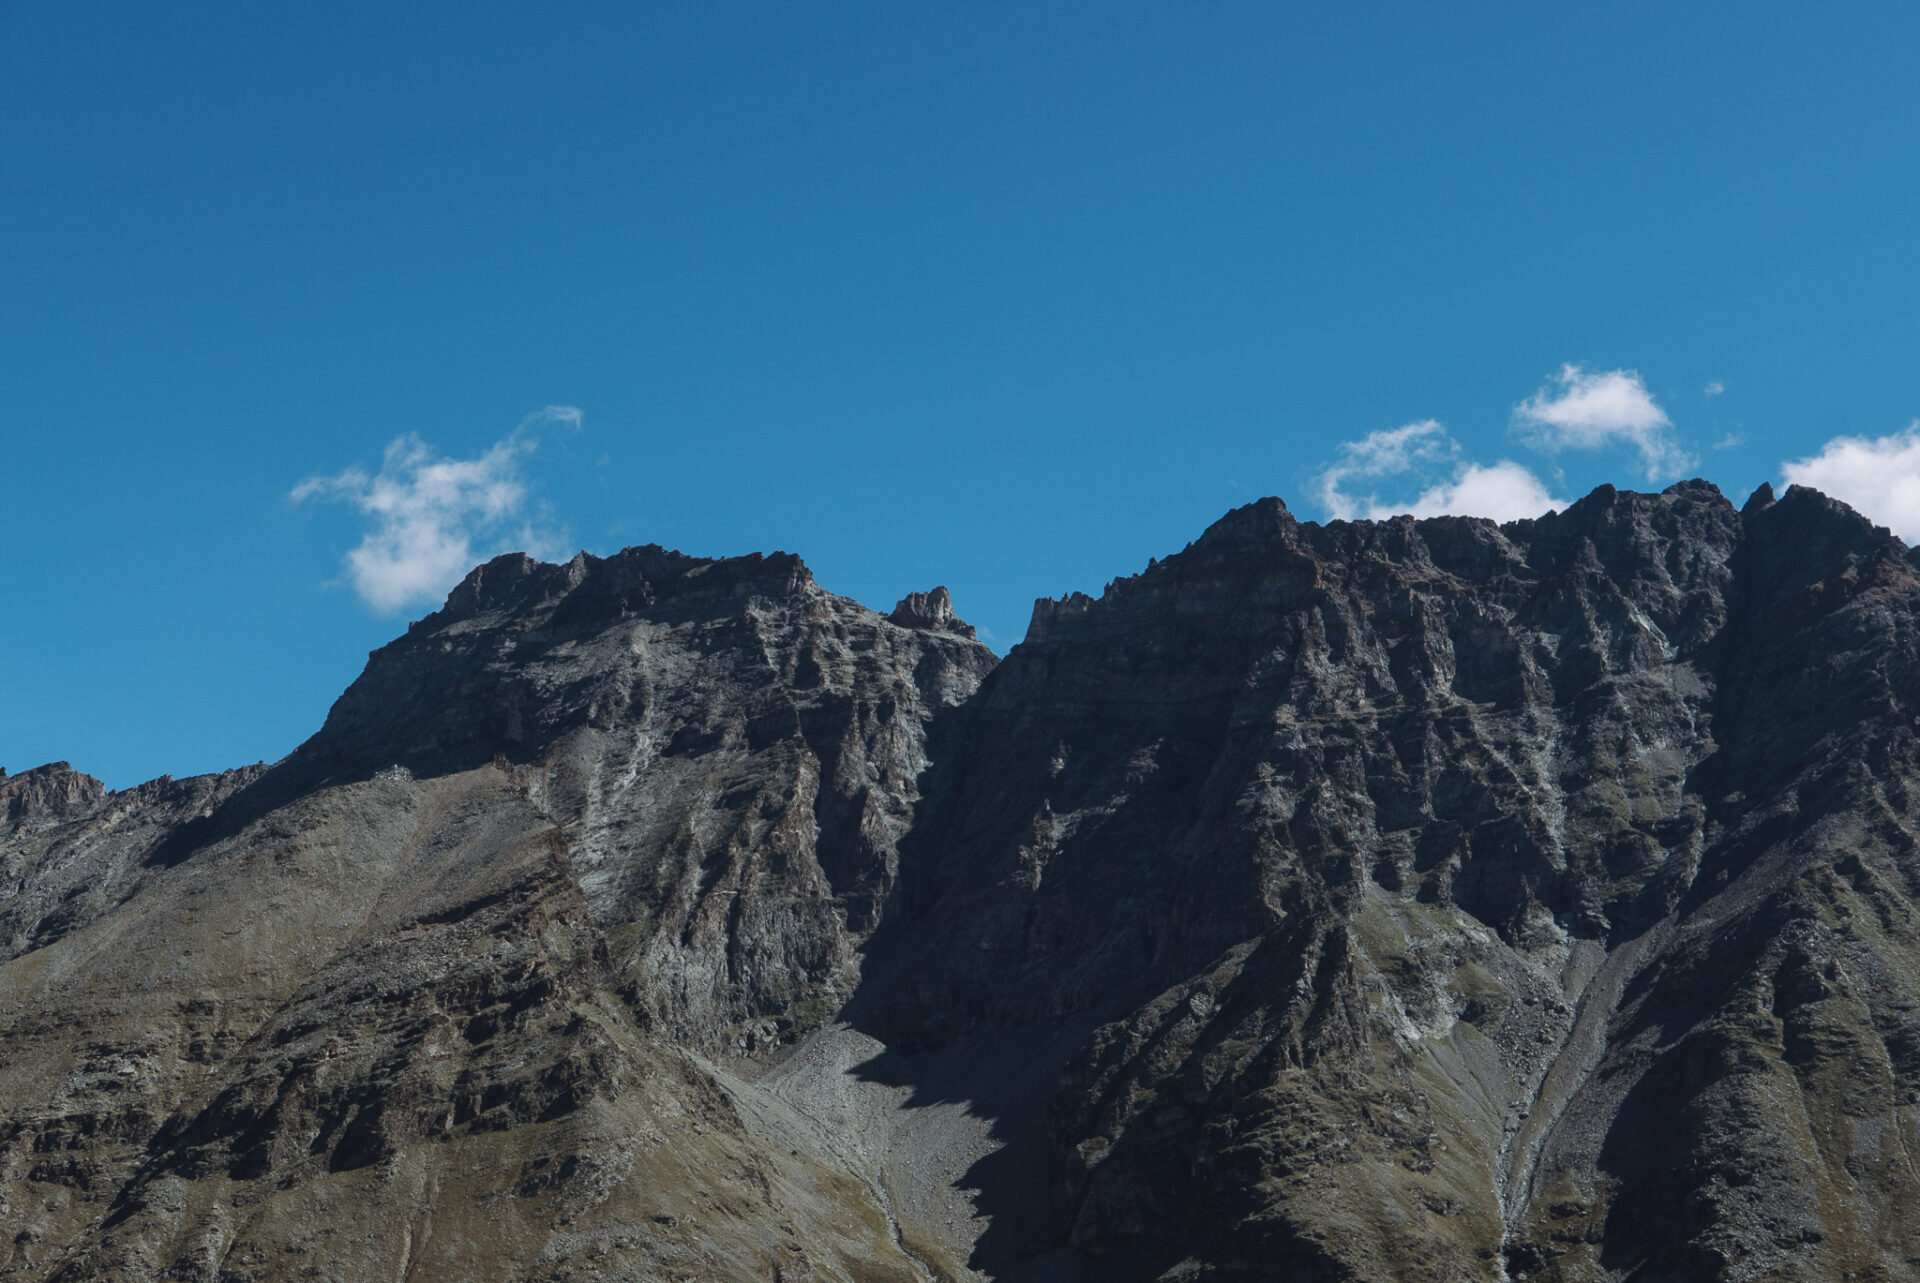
x=930, y=610
x=1412, y=899
x=47, y=794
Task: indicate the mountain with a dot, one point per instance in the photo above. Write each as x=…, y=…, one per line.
x=1404, y=900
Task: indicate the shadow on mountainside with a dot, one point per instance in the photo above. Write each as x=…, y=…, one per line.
x=1001, y=1080
x=1007, y=1078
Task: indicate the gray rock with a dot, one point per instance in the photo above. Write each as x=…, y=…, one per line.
x=46, y=795
x=1406, y=900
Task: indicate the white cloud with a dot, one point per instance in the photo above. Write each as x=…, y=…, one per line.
x=1585, y=409
x=1425, y=455
x=1715, y=388
x=432, y=519
x=1876, y=476
x=1389, y=452
x=1731, y=441
x=1504, y=491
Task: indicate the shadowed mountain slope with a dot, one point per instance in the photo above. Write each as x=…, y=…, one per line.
x=1399, y=900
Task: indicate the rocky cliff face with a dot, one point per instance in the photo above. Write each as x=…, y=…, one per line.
x=433, y=997
x=1402, y=900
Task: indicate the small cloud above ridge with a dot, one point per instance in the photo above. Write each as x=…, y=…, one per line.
x=1582, y=409
x=1388, y=452
x=1878, y=477
x=431, y=518
x=1425, y=455
x=1504, y=491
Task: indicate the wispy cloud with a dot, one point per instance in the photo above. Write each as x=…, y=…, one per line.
x=1504, y=491
x=1715, y=388
x=1876, y=476
x=431, y=518
x=1582, y=409
x=1425, y=458
x=1389, y=452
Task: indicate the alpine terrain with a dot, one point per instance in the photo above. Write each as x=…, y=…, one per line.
x=1405, y=900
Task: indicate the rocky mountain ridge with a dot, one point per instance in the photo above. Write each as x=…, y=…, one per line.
x=1375, y=900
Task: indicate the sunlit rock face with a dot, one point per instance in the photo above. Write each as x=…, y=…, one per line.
x=1410, y=900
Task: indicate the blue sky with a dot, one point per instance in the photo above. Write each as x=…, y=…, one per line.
x=1009, y=298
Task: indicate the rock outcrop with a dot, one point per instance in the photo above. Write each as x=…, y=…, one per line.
x=1410, y=900
x=437, y=992
x=46, y=795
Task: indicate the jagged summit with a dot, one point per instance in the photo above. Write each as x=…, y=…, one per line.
x=1398, y=900
x=630, y=580
x=930, y=610
x=525, y=654
x=47, y=793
